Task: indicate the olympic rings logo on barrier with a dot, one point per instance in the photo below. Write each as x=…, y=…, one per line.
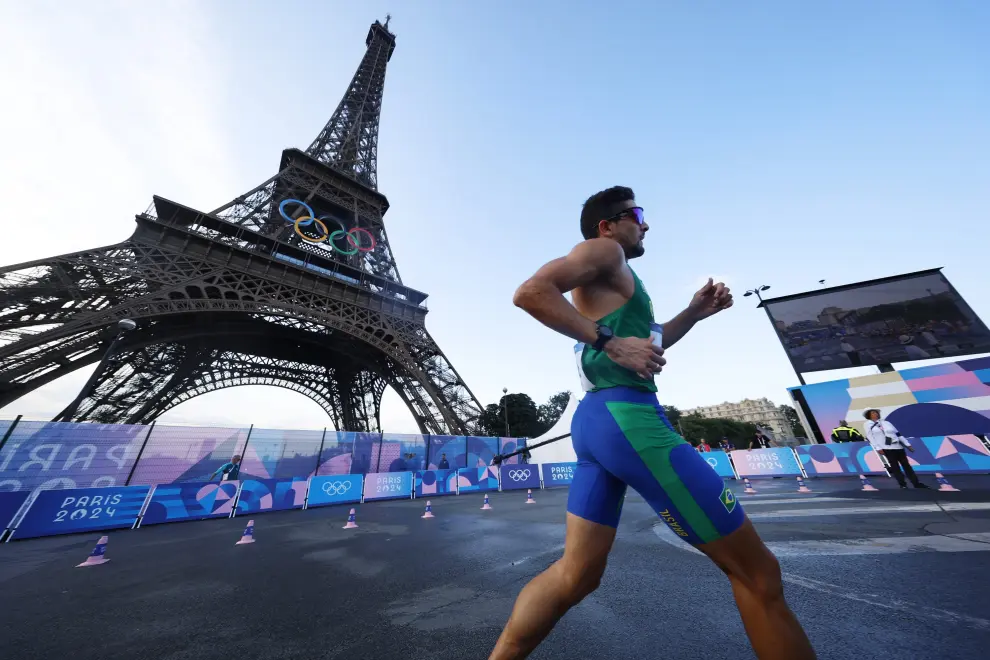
x=712, y=461
x=336, y=487
x=327, y=236
x=519, y=475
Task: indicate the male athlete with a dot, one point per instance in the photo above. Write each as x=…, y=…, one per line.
x=622, y=437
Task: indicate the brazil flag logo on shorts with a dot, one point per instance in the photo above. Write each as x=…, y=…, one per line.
x=728, y=499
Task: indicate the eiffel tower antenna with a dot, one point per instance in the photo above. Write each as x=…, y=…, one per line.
x=292, y=284
x=349, y=141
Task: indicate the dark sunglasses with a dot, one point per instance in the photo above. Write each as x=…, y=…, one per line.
x=634, y=213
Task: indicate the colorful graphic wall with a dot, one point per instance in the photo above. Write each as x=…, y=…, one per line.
x=477, y=479
x=52, y=455
x=260, y=495
x=927, y=402
x=436, y=482
x=186, y=453
x=49, y=455
x=193, y=501
x=839, y=459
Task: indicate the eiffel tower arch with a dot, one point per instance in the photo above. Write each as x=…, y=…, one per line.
x=292, y=284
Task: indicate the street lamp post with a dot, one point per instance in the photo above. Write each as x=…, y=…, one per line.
x=505, y=407
x=756, y=292
x=123, y=327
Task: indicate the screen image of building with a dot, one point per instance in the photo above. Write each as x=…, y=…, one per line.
x=761, y=412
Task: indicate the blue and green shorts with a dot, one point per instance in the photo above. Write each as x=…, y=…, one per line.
x=622, y=438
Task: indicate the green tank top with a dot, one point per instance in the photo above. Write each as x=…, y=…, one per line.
x=633, y=319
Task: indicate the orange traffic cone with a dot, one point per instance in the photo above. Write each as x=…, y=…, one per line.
x=529, y=496
x=749, y=487
x=429, y=511
x=944, y=485
x=867, y=486
x=487, y=506
x=248, y=535
x=96, y=557
x=351, y=524
x=801, y=487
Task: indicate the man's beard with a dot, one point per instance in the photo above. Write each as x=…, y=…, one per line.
x=635, y=251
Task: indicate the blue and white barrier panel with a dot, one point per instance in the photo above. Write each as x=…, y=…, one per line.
x=388, y=486
x=335, y=489
x=519, y=475
x=82, y=510
x=10, y=504
x=720, y=462
x=558, y=474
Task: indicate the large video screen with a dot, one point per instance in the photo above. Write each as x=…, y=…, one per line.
x=897, y=319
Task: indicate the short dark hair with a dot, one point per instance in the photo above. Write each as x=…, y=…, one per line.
x=599, y=206
x=866, y=413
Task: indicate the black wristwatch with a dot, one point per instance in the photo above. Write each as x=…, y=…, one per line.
x=604, y=335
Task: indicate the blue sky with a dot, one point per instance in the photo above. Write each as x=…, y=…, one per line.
x=771, y=143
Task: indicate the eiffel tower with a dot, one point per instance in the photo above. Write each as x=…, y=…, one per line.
x=292, y=284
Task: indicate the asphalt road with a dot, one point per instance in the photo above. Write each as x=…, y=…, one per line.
x=894, y=574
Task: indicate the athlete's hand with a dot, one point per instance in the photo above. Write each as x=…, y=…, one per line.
x=710, y=299
x=636, y=354
x=911, y=449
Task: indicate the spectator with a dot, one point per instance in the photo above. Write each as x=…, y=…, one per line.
x=726, y=445
x=228, y=471
x=889, y=443
x=703, y=446
x=443, y=464
x=759, y=441
x=845, y=433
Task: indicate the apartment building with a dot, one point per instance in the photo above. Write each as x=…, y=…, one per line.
x=761, y=412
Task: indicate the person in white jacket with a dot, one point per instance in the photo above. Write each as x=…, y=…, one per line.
x=889, y=443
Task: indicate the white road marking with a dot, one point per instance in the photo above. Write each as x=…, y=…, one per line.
x=859, y=510
x=979, y=542
x=908, y=609
x=778, y=492
x=878, y=546
x=799, y=500
x=981, y=537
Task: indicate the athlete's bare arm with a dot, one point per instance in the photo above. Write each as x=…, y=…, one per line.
x=597, y=268
x=710, y=299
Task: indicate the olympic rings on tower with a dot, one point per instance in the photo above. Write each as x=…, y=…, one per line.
x=327, y=235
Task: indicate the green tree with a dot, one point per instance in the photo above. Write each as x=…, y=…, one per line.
x=524, y=417
x=549, y=413
x=491, y=421
x=673, y=415
x=696, y=427
x=792, y=418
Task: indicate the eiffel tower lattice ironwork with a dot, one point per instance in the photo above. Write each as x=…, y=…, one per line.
x=292, y=284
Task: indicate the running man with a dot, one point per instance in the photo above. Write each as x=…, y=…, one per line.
x=622, y=437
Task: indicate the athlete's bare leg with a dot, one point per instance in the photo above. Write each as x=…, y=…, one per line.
x=754, y=573
x=550, y=594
